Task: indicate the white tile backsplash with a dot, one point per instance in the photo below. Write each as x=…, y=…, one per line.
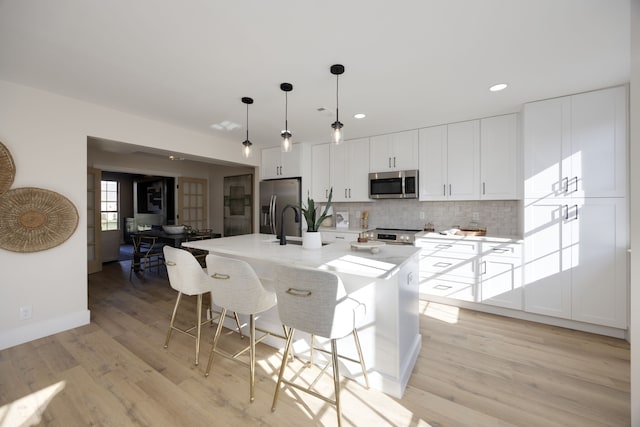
x=502, y=218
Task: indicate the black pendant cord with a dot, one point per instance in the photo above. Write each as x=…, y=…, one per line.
x=247, y=122
x=337, y=103
x=286, y=112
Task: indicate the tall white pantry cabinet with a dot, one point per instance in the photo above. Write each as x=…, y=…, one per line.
x=575, y=207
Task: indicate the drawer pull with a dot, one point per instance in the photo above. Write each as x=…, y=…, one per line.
x=442, y=264
x=443, y=246
x=500, y=250
x=442, y=287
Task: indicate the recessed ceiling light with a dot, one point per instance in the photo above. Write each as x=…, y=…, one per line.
x=359, y=116
x=498, y=87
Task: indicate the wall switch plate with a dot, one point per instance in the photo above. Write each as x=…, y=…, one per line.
x=25, y=312
x=422, y=216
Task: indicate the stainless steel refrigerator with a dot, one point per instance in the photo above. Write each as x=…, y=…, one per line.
x=275, y=195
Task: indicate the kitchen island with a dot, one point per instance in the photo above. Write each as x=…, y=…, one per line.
x=386, y=282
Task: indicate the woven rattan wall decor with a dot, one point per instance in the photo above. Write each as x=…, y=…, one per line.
x=35, y=219
x=31, y=219
x=7, y=169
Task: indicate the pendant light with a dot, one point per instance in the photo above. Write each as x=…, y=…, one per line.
x=337, y=135
x=246, y=144
x=285, y=134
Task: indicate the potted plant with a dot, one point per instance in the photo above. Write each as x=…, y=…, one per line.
x=311, y=238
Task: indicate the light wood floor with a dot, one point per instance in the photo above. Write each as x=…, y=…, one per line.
x=475, y=369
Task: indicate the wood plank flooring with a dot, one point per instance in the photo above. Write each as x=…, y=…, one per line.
x=475, y=369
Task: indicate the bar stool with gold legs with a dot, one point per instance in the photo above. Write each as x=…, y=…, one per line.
x=315, y=301
x=188, y=278
x=235, y=286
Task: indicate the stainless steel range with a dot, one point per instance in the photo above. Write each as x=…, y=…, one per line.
x=393, y=235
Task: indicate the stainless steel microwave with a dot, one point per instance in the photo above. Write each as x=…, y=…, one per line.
x=393, y=185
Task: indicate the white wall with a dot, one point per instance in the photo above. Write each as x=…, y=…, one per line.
x=47, y=137
x=634, y=161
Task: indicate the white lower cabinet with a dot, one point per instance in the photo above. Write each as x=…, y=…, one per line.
x=500, y=275
x=486, y=272
x=576, y=260
x=448, y=268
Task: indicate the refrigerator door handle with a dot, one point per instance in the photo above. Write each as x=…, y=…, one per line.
x=272, y=215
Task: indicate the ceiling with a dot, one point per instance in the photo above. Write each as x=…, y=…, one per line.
x=409, y=64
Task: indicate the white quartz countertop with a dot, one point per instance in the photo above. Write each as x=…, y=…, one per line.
x=337, y=256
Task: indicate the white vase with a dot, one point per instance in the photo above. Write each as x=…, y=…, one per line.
x=311, y=240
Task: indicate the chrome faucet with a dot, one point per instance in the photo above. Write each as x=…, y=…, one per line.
x=283, y=237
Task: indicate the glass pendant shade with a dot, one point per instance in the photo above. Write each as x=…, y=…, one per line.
x=246, y=149
x=286, y=141
x=337, y=134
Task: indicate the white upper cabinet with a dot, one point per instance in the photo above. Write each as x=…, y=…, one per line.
x=276, y=164
x=350, y=171
x=499, y=159
x=598, y=143
x=575, y=146
x=320, y=172
x=450, y=161
x=433, y=163
x=463, y=160
x=394, y=152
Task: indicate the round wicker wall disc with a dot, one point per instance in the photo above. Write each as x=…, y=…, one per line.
x=34, y=219
x=7, y=169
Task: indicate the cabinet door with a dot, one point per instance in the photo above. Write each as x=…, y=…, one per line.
x=547, y=260
x=404, y=150
x=380, y=153
x=350, y=171
x=433, y=163
x=271, y=163
x=320, y=172
x=598, y=143
x=393, y=152
x=546, y=133
x=357, y=170
x=500, y=275
x=599, y=260
x=499, y=178
x=291, y=162
x=463, y=160
x=339, y=171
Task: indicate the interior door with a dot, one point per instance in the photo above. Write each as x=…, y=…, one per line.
x=94, y=251
x=192, y=202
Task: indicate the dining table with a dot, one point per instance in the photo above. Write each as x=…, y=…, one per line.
x=174, y=239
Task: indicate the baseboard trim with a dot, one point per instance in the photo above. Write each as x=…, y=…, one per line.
x=36, y=330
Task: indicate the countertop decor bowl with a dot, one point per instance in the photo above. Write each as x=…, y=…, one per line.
x=173, y=229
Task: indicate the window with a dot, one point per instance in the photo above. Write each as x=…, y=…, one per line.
x=109, y=205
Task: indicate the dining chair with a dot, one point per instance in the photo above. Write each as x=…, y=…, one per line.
x=236, y=287
x=315, y=301
x=147, y=253
x=188, y=278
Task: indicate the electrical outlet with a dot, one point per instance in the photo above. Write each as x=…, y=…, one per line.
x=422, y=216
x=25, y=312
x=475, y=216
